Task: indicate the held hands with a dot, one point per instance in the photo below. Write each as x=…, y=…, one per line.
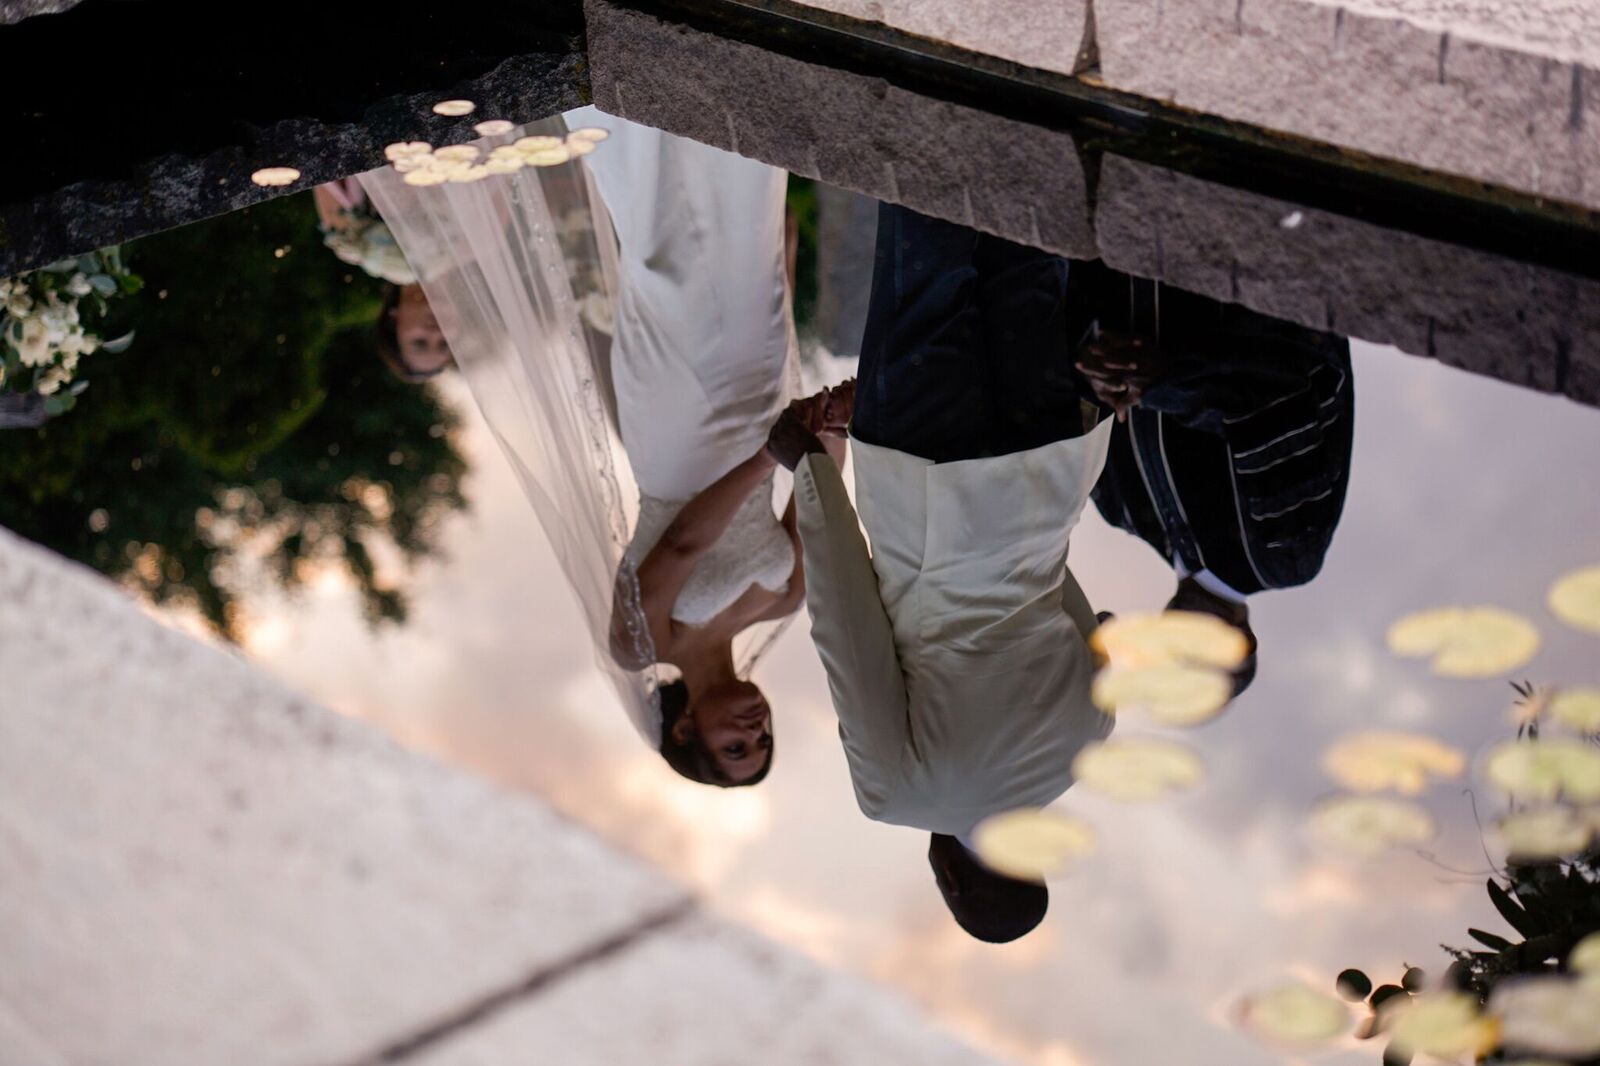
x=804, y=423
x=1120, y=367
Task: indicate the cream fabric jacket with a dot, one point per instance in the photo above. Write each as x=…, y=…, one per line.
x=955, y=647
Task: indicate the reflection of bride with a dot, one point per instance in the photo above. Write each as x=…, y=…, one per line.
x=702, y=360
x=699, y=360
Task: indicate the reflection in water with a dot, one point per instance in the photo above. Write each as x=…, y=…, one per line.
x=249, y=436
x=407, y=334
x=640, y=304
x=624, y=323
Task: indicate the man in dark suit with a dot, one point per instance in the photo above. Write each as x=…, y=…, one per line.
x=1231, y=455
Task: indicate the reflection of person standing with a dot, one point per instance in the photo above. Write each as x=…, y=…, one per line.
x=955, y=649
x=703, y=358
x=407, y=336
x=1232, y=455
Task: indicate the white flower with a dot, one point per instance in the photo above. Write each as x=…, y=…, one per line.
x=51, y=380
x=34, y=347
x=19, y=304
x=79, y=285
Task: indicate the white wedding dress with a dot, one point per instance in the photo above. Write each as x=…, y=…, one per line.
x=704, y=355
x=665, y=338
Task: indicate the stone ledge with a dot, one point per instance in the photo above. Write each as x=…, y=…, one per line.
x=199, y=866
x=855, y=132
x=704, y=992
x=1469, y=89
x=1054, y=35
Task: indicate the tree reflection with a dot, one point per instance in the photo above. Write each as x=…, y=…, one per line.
x=254, y=436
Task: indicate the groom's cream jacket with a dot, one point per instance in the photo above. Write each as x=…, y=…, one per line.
x=955, y=648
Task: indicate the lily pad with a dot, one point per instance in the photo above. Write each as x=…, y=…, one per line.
x=1136, y=769
x=1031, y=844
x=1466, y=641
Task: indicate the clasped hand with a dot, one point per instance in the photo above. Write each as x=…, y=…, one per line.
x=803, y=424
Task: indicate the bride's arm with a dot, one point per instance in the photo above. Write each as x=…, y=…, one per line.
x=691, y=534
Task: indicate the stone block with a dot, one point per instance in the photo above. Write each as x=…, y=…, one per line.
x=1471, y=90
x=708, y=994
x=1522, y=323
x=997, y=175
x=201, y=867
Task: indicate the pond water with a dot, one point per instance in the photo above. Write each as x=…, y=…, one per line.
x=250, y=468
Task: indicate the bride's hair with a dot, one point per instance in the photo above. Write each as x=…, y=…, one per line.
x=691, y=759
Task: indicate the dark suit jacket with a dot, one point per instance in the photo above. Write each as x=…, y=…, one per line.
x=1237, y=462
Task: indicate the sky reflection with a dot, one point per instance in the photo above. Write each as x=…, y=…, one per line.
x=1463, y=490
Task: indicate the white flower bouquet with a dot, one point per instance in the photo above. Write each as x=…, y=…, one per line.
x=47, y=320
x=363, y=240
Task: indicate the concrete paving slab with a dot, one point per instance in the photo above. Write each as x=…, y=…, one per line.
x=201, y=867
x=1048, y=34
x=1492, y=91
x=706, y=993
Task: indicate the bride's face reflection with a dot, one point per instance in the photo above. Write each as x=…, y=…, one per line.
x=422, y=348
x=734, y=725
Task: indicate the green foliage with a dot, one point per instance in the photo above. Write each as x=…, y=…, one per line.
x=802, y=213
x=251, y=434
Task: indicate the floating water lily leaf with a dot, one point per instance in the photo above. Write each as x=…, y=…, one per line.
x=547, y=157
x=577, y=148
x=1170, y=638
x=493, y=127
x=1031, y=844
x=1446, y=1025
x=1466, y=641
x=457, y=153
x=272, y=177
x=454, y=108
x=1370, y=825
x=426, y=177
x=1544, y=769
x=537, y=143
x=1550, y=1015
x=1291, y=1013
x=593, y=134
x=1576, y=708
x=504, y=164
x=1585, y=955
x=1378, y=759
x=1136, y=769
x=470, y=173
x=1547, y=833
x=1173, y=695
x=1575, y=599
x=406, y=150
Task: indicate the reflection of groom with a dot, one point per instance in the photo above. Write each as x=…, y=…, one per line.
x=955, y=649
x=1231, y=454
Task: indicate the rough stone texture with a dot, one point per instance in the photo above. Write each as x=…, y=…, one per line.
x=855, y=132
x=176, y=189
x=1047, y=34
x=12, y=11
x=1483, y=89
x=706, y=994
x=201, y=867
x=1525, y=324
